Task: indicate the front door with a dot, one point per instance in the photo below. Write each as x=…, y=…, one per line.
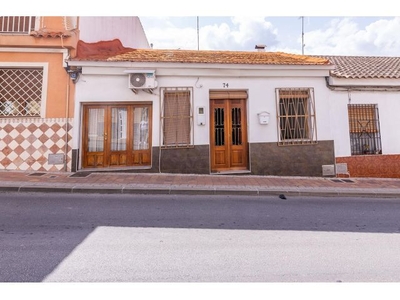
x=116, y=135
x=228, y=135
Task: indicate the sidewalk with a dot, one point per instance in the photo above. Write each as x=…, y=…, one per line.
x=150, y=183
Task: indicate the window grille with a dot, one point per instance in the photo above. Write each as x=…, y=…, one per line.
x=177, y=117
x=364, y=129
x=20, y=92
x=296, y=116
x=21, y=25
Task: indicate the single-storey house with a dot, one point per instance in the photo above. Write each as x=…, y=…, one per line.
x=364, y=101
x=205, y=112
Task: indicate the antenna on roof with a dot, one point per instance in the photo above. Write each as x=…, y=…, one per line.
x=198, y=44
x=302, y=35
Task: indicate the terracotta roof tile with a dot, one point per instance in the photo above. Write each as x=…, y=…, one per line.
x=50, y=34
x=365, y=66
x=218, y=57
x=114, y=51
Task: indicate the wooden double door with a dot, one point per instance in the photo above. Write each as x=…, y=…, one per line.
x=229, y=146
x=116, y=135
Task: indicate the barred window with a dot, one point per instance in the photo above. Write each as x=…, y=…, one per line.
x=364, y=129
x=296, y=116
x=20, y=92
x=176, y=118
x=17, y=24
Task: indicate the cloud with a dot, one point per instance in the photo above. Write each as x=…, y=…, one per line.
x=243, y=34
x=333, y=36
x=344, y=37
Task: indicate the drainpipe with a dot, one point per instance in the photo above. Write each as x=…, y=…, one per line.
x=66, y=124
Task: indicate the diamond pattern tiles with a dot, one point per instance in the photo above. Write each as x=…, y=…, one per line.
x=25, y=144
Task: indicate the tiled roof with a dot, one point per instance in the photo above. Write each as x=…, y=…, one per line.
x=50, y=34
x=364, y=66
x=113, y=51
x=218, y=57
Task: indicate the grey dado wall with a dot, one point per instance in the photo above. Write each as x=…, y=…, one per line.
x=294, y=160
x=194, y=160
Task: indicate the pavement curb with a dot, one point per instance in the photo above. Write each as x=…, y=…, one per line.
x=191, y=191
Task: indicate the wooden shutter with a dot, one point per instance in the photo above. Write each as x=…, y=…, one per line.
x=362, y=118
x=176, y=126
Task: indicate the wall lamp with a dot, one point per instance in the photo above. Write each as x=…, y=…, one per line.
x=73, y=73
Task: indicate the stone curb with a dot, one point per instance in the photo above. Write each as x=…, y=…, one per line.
x=191, y=191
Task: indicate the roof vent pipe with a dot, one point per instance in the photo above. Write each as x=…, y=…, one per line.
x=260, y=48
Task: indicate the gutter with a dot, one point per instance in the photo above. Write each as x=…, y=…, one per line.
x=361, y=88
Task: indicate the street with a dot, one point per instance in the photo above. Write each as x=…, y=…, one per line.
x=182, y=238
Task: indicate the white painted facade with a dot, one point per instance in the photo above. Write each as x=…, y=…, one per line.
x=385, y=93
x=108, y=82
x=128, y=30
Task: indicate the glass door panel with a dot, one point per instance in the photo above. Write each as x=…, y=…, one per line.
x=219, y=125
x=118, y=129
x=96, y=135
x=236, y=126
x=141, y=128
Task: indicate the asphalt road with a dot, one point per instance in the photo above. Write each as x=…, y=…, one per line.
x=137, y=238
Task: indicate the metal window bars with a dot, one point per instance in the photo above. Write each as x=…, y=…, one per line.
x=365, y=137
x=17, y=24
x=20, y=92
x=296, y=116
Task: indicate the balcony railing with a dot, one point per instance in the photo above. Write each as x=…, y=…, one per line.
x=17, y=25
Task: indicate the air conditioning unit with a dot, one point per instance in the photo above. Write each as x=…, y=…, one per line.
x=142, y=79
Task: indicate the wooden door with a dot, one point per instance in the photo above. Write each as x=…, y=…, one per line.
x=116, y=135
x=228, y=135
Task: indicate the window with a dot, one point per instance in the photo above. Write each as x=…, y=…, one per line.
x=296, y=116
x=20, y=92
x=17, y=25
x=176, y=118
x=364, y=129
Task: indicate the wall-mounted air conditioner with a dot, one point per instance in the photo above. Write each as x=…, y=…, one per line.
x=141, y=79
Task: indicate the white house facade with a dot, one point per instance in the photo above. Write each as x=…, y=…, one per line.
x=364, y=97
x=207, y=112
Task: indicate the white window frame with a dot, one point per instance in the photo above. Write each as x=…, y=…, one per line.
x=176, y=89
x=25, y=65
x=311, y=118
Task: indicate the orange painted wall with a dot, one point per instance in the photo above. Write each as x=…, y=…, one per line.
x=57, y=81
x=47, y=26
x=30, y=41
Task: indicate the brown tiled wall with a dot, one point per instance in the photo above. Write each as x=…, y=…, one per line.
x=266, y=159
x=296, y=160
x=381, y=166
x=25, y=144
x=194, y=160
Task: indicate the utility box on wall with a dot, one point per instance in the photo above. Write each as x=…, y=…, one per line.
x=201, y=116
x=263, y=118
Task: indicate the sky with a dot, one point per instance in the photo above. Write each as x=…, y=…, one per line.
x=340, y=27
x=378, y=36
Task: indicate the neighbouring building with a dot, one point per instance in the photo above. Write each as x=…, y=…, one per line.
x=37, y=87
x=364, y=96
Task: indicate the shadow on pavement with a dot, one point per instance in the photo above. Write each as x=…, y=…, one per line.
x=37, y=231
